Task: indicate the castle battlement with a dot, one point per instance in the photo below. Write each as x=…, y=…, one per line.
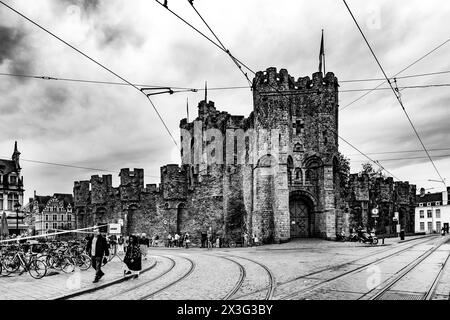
x=271, y=80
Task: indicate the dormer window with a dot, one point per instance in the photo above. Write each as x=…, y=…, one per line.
x=420, y=204
x=13, y=179
x=428, y=204
x=438, y=203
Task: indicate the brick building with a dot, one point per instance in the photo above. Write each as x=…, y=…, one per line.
x=51, y=213
x=11, y=192
x=274, y=173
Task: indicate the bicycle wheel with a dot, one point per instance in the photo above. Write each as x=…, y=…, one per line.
x=37, y=269
x=83, y=262
x=11, y=264
x=67, y=265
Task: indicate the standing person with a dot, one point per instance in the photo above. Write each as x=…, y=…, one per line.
x=246, y=239
x=204, y=239
x=169, y=240
x=177, y=239
x=187, y=240
x=154, y=240
x=143, y=246
x=120, y=243
x=210, y=240
x=97, y=247
x=133, y=257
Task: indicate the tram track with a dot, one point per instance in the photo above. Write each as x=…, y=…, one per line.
x=270, y=287
x=332, y=268
x=240, y=281
x=160, y=275
x=406, y=270
x=353, y=271
x=184, y=276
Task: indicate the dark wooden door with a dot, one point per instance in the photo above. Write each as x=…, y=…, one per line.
x=300, y=216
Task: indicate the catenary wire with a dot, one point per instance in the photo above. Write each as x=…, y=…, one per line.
x=398, y=73
x=222, y=45
x=395, y=93
x=217, y=45
x=96, y=62
x=73, y=166
x=187, y=89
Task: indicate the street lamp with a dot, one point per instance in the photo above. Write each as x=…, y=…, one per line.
x=17, y=208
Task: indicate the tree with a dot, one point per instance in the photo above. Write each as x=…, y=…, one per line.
x=371, y=172
x=343, y=173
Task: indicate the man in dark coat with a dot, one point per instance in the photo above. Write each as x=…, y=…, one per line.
x=97, y=248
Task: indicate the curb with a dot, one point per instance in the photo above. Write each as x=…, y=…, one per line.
x=102, y=286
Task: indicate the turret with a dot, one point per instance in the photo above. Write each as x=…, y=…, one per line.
x=16, y=157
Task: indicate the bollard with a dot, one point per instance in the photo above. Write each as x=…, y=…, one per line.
x=382, y=240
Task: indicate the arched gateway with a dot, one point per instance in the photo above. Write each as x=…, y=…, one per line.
x=301, y=209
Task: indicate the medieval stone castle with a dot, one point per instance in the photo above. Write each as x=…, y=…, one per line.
x=274, y=174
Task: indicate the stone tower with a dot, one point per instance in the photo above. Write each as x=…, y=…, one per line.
x=296, y=186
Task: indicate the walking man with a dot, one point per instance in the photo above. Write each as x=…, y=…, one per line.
x=97, y=247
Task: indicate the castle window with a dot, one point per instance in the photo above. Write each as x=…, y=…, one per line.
x=438, y=213
x=69, y=225
x=55, y=225
x=46, y=217
x=266, y=161
x=300, y=126
x=298, y=147
x=298, y=174
x=1, y=201
x=429, y=214
x=69, y=217
x=247, y=150
x=422, y=214
x=46, y=226
x=325, y=138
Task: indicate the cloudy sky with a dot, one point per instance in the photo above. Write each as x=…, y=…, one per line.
x=111, y=127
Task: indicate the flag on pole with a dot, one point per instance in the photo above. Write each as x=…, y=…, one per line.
x=322, y=56
x=187, y=109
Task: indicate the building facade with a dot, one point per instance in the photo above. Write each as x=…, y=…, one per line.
x=51, y=213
x=11, y=192
x=368, y=193
x=274, y=174
x=432, y=211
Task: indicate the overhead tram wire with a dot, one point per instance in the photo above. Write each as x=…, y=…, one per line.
x=96, y=62
x=223, y=47
x=204, y=36
x=254, y=73
x=186, y=89
x=398, y=73
x=405, y=158
x=395, y=93
x=397, y=152
x=74, y=167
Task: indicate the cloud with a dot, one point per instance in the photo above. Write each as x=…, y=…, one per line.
x=14, y=50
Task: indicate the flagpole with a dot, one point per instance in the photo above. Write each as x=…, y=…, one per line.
x=324, y=68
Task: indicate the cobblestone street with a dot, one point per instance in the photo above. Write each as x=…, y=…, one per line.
x=302, y=269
